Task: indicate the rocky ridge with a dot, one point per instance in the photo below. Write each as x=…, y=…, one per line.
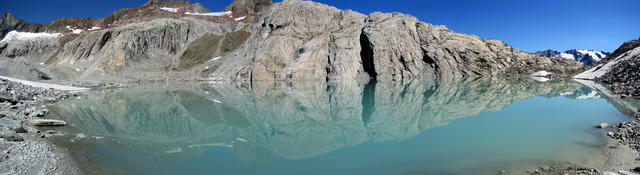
x=620, y=70
x=257, y=40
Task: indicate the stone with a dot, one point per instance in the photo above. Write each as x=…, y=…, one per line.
x=10, y=135
x=9, y=123
x=47, y=122
x=603, y=125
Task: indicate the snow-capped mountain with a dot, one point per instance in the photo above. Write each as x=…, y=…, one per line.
x=586, y=57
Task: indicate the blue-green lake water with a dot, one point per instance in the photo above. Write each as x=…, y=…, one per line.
x=447, y=127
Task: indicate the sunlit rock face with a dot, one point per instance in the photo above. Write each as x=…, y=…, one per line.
x=288, y=120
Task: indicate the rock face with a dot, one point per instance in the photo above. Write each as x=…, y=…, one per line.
x=620, y=70
x=258, y=40
x=294, y=44
x=586, y=57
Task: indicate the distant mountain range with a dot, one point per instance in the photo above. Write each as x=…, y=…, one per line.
x=586, y=57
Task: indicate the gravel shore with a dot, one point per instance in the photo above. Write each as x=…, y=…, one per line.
x=25, y=149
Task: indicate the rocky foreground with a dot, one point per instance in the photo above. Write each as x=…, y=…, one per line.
x=24, y=149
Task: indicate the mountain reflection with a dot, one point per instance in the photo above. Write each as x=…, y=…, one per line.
x=292, y=120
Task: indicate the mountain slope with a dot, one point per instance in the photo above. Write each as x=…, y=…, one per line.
x=586, y=57
x=254, y=40
x=620, y=69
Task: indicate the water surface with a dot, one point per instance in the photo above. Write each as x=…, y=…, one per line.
x=448, y=127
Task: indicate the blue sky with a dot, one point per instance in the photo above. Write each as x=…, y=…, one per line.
x=524, y=24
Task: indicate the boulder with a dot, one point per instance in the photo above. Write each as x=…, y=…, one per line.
x=10, y=135
x=603, y=125
x=47, y=122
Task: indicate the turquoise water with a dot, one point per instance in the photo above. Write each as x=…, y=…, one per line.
x=448, y=127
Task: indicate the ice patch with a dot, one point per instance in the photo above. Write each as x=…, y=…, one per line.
x=227, y=13
x=241, y=139
x=24, y=36
x=169, y=9
x=541, y=74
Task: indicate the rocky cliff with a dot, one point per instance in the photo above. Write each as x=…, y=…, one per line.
x=620, y=70
x=254, y=40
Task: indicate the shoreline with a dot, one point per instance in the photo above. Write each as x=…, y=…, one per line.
x=25, y=149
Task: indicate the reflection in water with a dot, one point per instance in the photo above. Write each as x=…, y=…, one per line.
x=290, y=120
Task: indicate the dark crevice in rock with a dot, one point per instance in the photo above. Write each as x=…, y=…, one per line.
x=366, y=55
x=328, y=68
x=104, y=40
x=2, y=47
x=404, y=63
x=368, y=101
x=427, y=59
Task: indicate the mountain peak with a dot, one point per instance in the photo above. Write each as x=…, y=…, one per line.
x=9, y=16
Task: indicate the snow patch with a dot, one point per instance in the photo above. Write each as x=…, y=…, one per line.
x=227, y=13
x=94, y=28
x=241, y=139
x=45, y=85
x=567, y=56
x=541, y=74
x=216, y=58
x=240, y=18
x=600, y=70
x=25, y=36
x=75, y=30
x=169, y=9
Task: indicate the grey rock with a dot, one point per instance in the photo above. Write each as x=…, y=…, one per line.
x=603, y=125
x=11, y=135
x=47, y=122
x=9, y=123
